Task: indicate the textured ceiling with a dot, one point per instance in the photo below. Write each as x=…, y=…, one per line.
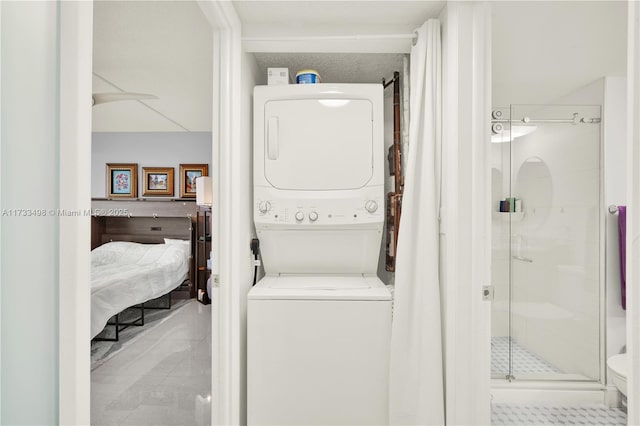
x=336, y=67
x=162, y=48
x=544, y=50
x=304, y=18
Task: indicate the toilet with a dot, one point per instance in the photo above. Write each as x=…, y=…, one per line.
x=618, y=369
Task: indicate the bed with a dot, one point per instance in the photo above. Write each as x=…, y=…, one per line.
x=124, y=274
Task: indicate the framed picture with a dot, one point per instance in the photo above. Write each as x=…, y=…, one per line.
x=188, y=175
x=122, y=180
x=158, y=181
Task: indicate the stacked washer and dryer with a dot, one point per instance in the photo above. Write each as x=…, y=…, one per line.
x=319, y=322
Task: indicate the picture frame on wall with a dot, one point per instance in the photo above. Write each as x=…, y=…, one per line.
x=122, y=180
x=188, y=175
x=158, y=182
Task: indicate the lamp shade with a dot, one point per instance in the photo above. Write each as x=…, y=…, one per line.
x=203, y=191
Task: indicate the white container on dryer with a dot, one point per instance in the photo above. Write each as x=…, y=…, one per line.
x=319, y=177
x=318, y=351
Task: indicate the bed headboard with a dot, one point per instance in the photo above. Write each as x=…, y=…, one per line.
x=146, y=230
x=142, y=221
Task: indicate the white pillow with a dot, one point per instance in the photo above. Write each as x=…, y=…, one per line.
x=174, y=241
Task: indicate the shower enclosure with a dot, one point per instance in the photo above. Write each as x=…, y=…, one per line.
x=547, y=258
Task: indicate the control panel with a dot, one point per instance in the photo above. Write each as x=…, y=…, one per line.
x=319, y=211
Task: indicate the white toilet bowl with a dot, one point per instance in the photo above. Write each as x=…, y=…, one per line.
x=618, y=372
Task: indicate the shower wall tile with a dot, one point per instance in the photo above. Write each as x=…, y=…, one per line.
x=576, y=188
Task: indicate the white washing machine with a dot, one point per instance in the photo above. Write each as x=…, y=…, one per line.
x=319, y=322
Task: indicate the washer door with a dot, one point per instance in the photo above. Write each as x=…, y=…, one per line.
x=318, y=144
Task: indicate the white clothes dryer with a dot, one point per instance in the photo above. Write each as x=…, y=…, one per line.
x=319, y=177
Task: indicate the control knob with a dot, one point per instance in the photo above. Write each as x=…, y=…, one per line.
x=371, y=206
x=264, y=206
x=313, y=216
x=299, y=216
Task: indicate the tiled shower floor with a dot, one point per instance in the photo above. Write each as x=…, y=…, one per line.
x=512, y=414
x=524, y=361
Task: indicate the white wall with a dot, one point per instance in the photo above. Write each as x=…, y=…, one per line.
x=610, y=92
x=168, y=149
x=546, y=49
x=633, y=219
x=29, y=178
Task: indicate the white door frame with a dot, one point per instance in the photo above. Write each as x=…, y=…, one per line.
x=76, y=38
x=465, y=216
x=76, y=48
x=633, y=215
x=227, y=378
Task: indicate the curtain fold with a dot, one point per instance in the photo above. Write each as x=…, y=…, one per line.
x=405, y=110
x=416, y=391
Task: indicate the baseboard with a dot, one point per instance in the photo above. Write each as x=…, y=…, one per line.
x=548, y=393
x=613, y=397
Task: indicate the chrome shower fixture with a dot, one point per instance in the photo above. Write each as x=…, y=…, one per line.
x=496, y=118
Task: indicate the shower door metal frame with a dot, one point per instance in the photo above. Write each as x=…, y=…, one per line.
x=602, y=294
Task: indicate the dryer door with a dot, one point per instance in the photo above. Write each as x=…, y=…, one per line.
x=318, y=144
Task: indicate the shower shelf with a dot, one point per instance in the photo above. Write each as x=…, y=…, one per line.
x=507, y=216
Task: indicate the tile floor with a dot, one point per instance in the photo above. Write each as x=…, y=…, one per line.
x=512, y=415
x=163, y=377
x=524, y=361
x=104, y=350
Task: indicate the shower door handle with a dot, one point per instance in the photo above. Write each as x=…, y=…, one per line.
x=522, y=259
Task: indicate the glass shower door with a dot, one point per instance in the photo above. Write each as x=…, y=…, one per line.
x=551, y=281
x=555, y=242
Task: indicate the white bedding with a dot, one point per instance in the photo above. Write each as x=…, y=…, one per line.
x=125, y=274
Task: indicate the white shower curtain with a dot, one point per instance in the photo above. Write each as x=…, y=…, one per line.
x=416, y=393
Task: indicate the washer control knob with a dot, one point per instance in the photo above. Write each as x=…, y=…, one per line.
x=299, y=216
x=264, y=206
x=371, y=206
x=313, y=216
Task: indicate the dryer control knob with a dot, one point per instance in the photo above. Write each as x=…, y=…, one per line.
x=299, y=216
x=313, y=216
x=264, y=206
x=371, y=206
